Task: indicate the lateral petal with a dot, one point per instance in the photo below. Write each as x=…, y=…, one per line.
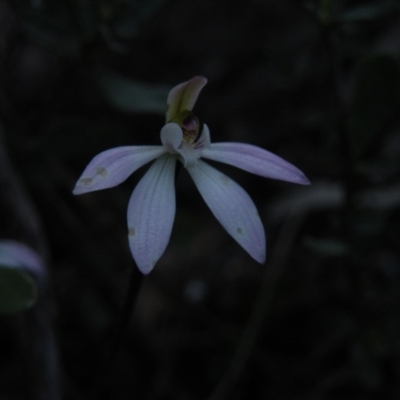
x=151, y=213
x=232, y=207
x=255, y=160
x=111, y=167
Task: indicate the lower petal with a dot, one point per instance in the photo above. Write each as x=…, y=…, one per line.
x=151, y=213
x=232, y=207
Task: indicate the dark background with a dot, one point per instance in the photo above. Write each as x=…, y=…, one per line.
x=316, y=82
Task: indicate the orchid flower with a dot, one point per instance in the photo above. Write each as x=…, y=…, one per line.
x=151, y=209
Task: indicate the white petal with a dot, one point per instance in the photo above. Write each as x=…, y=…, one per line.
x=255, y=160
x=233, y=208
x=111, y=167
x=151, y=213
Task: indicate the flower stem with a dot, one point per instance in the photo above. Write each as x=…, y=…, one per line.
x=100, y=388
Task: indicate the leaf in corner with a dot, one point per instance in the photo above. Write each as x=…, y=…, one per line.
x=18, y=290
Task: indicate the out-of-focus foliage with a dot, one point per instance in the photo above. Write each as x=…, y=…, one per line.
x=69, y=25
x=128, y=95
x=369, y=12
x=17, y=290
x=18, y=265
x=376, y=100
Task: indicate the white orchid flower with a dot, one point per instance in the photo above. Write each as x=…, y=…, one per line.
x=151, y=209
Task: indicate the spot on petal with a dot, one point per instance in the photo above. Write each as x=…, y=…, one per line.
x=131, y=232
x=225, y=180
x=239, y=231
x=101, y=171
x=86, y=181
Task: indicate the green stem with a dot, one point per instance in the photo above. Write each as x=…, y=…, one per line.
x=101, y=385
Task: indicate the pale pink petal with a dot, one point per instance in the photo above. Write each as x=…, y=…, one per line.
x=184, y=96
x=18, y=255
x=232, y=207
x=111, y=167
x=255, y=160
x=151, y=213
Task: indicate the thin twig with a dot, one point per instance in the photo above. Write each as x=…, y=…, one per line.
x=327, y=24
x=339, y=117
x=268, y=287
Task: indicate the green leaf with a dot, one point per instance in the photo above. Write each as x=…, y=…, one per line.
x=72, y=25
x=128, y=19
x=326, y=246
x=376, y=100
x=130, y=95
x=368, y=12
x=18, y=290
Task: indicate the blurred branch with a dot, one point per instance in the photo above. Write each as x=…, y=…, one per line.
x=339, y=117
x=16, y=202
x=330, y=196
x=270, y=281
x=40, y=350
x=327, y=18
